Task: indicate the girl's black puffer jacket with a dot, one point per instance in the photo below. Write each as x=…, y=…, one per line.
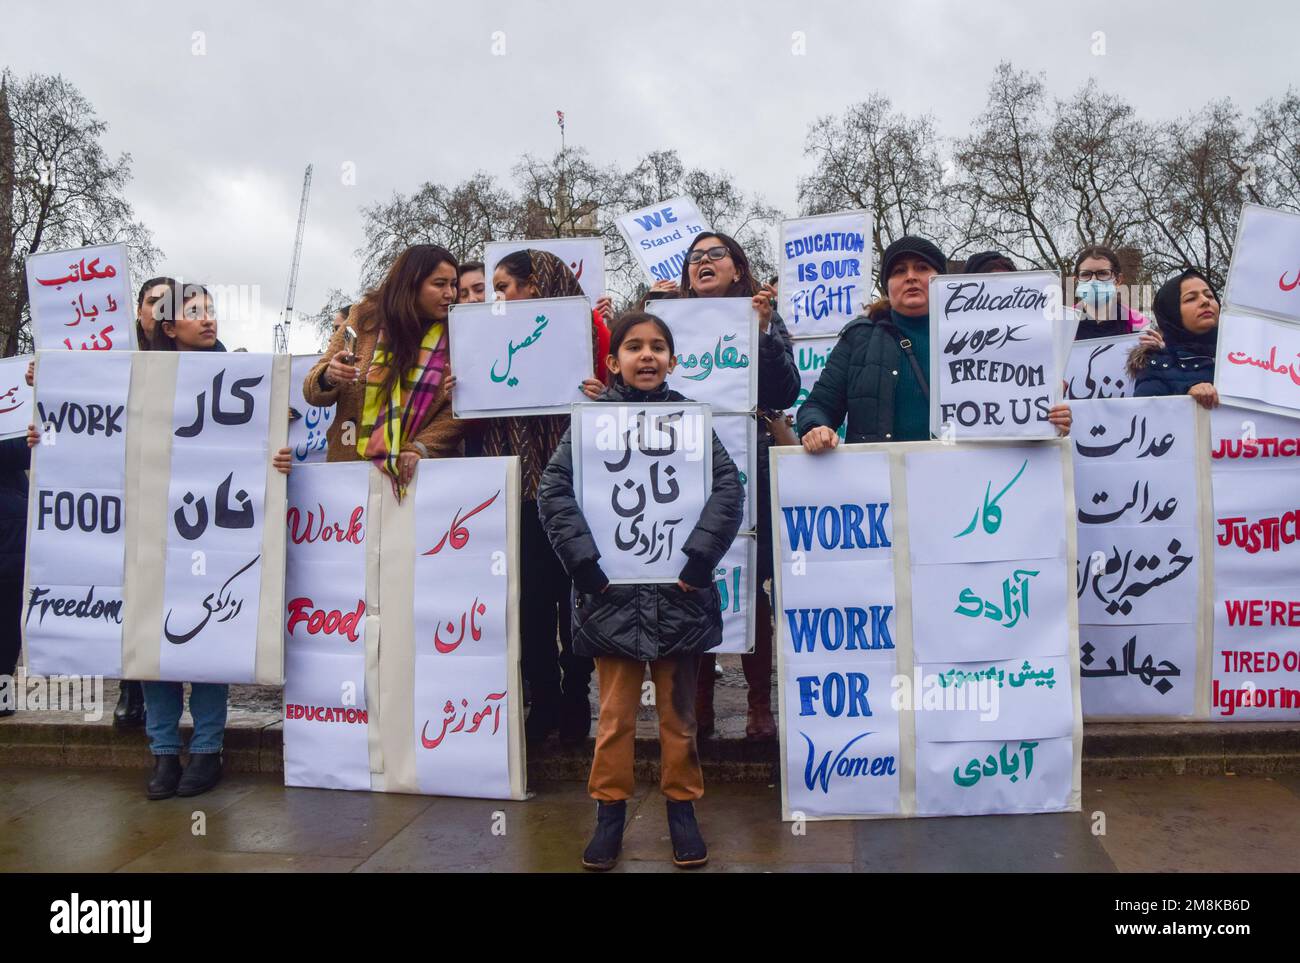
x=651, y=621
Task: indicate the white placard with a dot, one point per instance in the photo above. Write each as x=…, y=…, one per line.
x=1097, y=368
x=995, y=508
x=972, y=677
x=520, y=357
x=1255, y=470
x=1265, y=272
x=990, y=610
x=985, y=701
x=642, y=476
x=810, y=357
x=73, y=619
x=716, y=342
x=736, y=432
x=1138, y=670
x=325, y=568
x=16, y=411
x=1242, y=439
x=215, y=516
x=841, y=740
x=308, y=424
x=825, y=271
x=994, y=354
x=659, y=235
x=585, y=257
x=462, y=726
x=81, y=299
x=975, y=778
x=1257, y=363
x=735, y=578
x=326, y=742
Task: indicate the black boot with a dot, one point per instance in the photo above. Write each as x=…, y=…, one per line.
x=166, y=776
x=575, y=716
x=606, y=842
x=689, y=850
x=130, y=705
x=203, y=772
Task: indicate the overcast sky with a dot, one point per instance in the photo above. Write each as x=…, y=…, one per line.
x=223, y=105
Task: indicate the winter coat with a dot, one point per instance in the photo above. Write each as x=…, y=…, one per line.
x=859, y=380
x=437, y=436
x=1170, y=370
x=649, y=621
x=778, y=388
x=15, y=459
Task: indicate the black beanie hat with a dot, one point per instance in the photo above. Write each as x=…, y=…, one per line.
x=985, y=261
x=918, y=246
x=1169, y=311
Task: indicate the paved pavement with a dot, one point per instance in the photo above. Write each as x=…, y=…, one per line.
x=98, y=820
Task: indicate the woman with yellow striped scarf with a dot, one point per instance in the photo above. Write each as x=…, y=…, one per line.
x=391, y=388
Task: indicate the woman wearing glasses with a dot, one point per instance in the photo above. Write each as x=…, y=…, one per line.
x=716, y=267
x=1102, y=312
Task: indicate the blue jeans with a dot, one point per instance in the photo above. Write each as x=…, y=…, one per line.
x=163, y=704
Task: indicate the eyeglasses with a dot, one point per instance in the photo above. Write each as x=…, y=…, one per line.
x=1104, y=275
x=713, y=254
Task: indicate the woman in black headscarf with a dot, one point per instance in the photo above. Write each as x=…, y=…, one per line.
x=1187, y=314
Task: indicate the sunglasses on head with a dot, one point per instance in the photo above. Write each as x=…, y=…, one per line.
x=712, y=253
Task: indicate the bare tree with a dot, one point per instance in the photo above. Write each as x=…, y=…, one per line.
x=1276, y=148
x=1005, y=192
x=876, y=159
x=61, y=189
x=461, y=218
x=1190, y=187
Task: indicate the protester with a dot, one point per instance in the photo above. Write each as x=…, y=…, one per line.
x=1102, y=311
x=1187, y=316
x=471, y=283
x=151, y=292
x=989, y=262
x=717, y=267
x=558, y=680
x=15, y=459
x=185, y=320
x=341, y=316
x=401, y=327
x=621, y=625
x=879, y=371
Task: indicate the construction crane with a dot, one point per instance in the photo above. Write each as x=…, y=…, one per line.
x=282, y=329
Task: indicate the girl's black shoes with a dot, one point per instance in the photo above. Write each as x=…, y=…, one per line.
x=607, y=841
x=689, y=850
x=203, y=772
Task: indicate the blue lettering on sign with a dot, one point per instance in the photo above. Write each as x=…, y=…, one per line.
x=845, y=766
x=836, y=692
x=836, y=527
x=840, y=627
x=657, y=218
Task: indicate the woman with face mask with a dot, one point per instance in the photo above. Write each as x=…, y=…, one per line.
x=1102, y=312
x=1187, y=314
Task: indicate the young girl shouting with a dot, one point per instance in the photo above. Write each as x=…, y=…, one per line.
x=625, y=626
